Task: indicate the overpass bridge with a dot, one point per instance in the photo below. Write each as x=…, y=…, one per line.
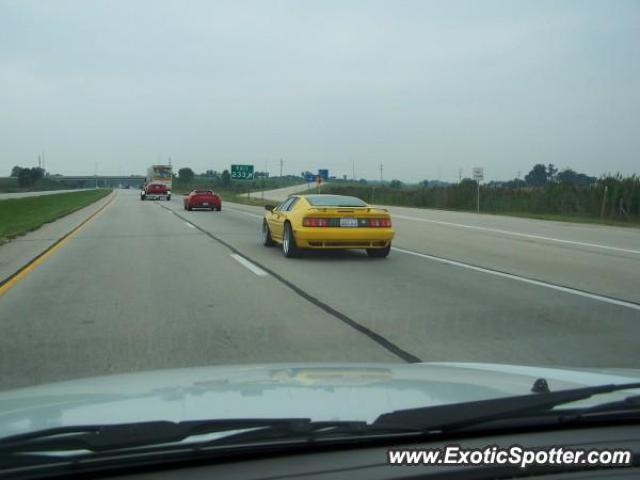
x=89, y=181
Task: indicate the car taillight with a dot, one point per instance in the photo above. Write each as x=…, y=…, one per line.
x=315, y=222
x=380, y=222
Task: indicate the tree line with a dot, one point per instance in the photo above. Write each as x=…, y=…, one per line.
x=28, y=177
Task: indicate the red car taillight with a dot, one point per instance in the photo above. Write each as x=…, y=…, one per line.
x=315, y=222
x=380, y=222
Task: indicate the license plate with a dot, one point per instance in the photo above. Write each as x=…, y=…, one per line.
x=348, y=222
x=205, y=204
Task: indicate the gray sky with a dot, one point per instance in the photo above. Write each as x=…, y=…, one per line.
x=423, y=87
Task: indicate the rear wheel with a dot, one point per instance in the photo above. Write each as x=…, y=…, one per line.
x=379, y=252
x=267, y=241
x=289, y=248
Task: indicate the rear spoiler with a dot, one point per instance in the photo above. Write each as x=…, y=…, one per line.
x=368, y=209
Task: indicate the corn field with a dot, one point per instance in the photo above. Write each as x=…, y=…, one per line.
x=611, y=198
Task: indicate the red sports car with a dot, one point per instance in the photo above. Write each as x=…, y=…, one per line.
x=202, y=199
x=155, y=191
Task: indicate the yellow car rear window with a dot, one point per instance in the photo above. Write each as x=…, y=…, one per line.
x=334, y=201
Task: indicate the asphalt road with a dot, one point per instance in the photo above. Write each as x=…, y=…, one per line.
x=147, y=285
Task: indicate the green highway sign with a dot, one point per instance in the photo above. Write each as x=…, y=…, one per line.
x=242, y=172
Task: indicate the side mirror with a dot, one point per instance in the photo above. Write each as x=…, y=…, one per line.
x=269, y=207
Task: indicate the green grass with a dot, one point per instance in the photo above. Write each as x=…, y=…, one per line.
x=21, y=215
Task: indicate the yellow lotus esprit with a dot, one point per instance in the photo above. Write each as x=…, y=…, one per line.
x=327, y=222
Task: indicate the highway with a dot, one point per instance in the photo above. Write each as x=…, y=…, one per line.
x=281, y=194
x=147, y=285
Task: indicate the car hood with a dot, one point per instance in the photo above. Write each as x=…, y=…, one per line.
x=317, y=391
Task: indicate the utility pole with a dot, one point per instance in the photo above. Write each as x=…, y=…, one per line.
x=460, y=175
x=95, y=172
x=381, y=173
x=604, y=201
x=42, y=160
x=478, y=174
x=264, y=177
x=353, y=166
x=281, y=163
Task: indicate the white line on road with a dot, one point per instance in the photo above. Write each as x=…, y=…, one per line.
x=244, y=213
x=511, y=276
x=189, y=225
x=517, y=234
x=246, y=263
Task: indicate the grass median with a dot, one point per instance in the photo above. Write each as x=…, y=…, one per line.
x=21, y=215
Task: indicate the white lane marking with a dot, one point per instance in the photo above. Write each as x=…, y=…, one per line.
x=244, y=213
x=189, y=225
x=517, y=234
x=510, y=276
x=246, y=263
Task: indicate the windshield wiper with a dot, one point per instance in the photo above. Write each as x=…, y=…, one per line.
x=461, y=415
x=100, y=438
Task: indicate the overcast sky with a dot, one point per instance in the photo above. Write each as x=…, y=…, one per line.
x=423, y=87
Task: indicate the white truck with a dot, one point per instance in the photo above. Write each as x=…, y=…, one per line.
x=157, y=185
x=162, y=174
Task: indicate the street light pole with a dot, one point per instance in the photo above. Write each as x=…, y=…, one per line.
x=478, y=174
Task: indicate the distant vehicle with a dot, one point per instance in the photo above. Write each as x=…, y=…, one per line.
x=327, y=222
x=202, y=199
x=155, y=191
x=160, y=174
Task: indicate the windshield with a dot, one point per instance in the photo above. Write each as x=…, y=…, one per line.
x=334, y=201
x=162, y=172
x=417, y=204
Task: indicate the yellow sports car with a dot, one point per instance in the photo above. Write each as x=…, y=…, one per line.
x=327, y=222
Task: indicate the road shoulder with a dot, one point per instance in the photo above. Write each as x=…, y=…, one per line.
x=21, y=250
